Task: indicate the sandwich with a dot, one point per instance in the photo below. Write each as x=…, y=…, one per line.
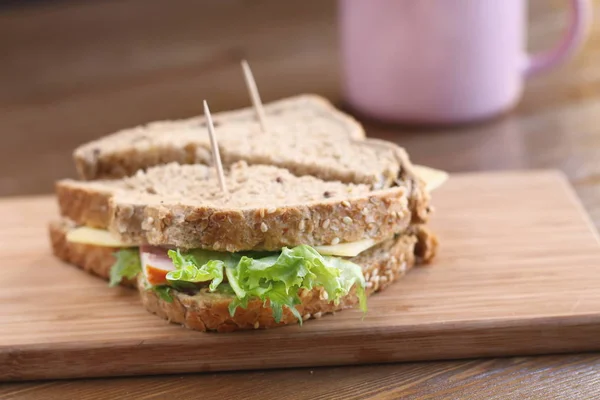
x=317, y=217
x=277, y=248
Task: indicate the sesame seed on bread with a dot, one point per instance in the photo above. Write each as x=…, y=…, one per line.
x=305, y=124
x=306, y=136
x=267, y=208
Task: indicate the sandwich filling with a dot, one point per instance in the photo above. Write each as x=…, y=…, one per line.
x=276, y=278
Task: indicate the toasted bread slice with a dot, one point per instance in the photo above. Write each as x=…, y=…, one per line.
x=206, y=311
x=267, y=208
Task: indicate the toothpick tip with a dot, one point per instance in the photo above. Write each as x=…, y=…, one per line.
x=254, y=96
x=215, y=148
x=247, y=70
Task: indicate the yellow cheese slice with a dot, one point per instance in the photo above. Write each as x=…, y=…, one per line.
x=96, y=237
x=432, y=177
x=103, y=238
x=351, y=249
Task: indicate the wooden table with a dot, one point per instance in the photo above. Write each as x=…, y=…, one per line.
x=75, y=71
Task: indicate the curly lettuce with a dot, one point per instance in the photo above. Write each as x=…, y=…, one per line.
x=197, y=266
x=127, y=265
x=273, y=278
x=164, y=292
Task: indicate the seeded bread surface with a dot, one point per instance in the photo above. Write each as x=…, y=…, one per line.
x=207, y=311
x=267, y=208
x=306, y=135
x=305, y=126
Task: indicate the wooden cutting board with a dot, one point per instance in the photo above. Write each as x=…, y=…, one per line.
x=518, y=273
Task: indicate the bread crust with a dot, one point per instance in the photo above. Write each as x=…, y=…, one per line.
x=84, y=205
x=427, y=244
x=377, y=216
x=418, y=196
x=207, y=311
x=96, y=260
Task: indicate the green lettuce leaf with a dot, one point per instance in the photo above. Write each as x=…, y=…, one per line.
x=196, y=268
x=278, y=297
x=127, y=265
x=273, y=278
x=164, y=292
x=351, y=275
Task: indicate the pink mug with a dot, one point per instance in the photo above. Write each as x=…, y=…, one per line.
x=442, y=61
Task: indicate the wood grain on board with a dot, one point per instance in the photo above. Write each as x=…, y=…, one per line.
x=516, y=275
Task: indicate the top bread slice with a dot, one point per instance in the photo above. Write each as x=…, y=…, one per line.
x=306, y=135
x=266, y=208
x=299, y=129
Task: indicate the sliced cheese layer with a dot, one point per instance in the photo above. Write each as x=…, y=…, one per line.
x=432, y=177
x=103, y=238
x=350, y=249
x=97, y=237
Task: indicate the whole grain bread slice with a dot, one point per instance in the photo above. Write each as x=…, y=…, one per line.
x=306, y=135
x=304, y=123
x=267, y=208
x=97, y=260
x=208, y=311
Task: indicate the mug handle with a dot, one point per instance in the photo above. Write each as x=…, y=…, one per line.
x=580, y=16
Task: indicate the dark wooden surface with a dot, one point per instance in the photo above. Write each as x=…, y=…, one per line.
x=548, y=377
x=76, y=71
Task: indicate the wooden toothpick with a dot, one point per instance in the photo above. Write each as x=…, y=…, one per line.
x=215, y=149
x=254, y=96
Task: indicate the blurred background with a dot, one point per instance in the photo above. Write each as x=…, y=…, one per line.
x=72, y=71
